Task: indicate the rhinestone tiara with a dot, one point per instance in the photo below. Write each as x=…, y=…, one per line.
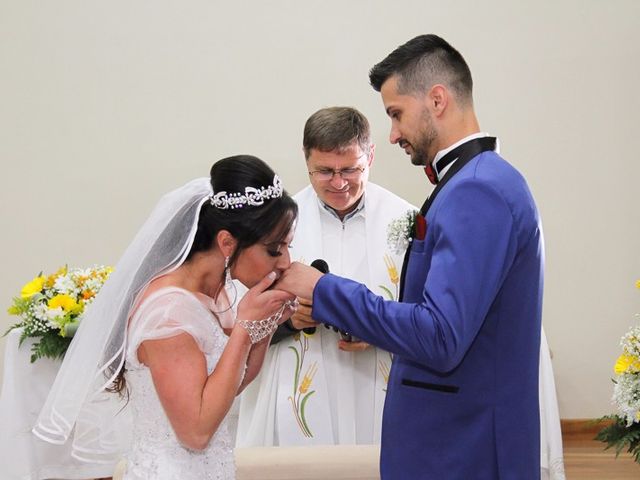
x=251, y=196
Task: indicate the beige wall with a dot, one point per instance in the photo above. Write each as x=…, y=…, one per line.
x=105, y=105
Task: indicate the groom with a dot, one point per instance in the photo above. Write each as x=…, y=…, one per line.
x=462, y=399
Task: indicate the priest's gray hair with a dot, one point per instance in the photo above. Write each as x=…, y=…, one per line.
x=336, y=129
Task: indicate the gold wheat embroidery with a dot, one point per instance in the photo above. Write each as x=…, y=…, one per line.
x=308, y=378
x=394, y=278
x=301, y=391
x=384, y=370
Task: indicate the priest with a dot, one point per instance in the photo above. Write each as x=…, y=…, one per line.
x=320, y=386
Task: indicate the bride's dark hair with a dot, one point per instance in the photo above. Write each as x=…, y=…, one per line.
x=248, y=224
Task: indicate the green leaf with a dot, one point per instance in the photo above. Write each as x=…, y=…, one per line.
x=619, y=436
x=297, y=374
x=15, y=325
x=51, y=345
x=387, y=291
x=23, y=337
x=302, y=417
x=20, y=306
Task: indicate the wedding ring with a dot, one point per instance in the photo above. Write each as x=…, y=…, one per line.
x=292, y=304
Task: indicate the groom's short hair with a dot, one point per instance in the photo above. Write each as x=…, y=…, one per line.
x=422, y=62
x=336, y=128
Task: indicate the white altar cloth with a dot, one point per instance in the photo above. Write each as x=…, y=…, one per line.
x=25, y=386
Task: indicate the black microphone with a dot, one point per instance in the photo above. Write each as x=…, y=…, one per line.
x=323, y=267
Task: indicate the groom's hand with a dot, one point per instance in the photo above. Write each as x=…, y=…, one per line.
x=299, y=279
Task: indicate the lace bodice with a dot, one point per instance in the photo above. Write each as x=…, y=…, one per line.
x=156, y=452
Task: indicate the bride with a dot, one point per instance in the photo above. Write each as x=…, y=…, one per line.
x=162, y=331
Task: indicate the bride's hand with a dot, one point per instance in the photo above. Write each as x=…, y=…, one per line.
x=260, y=302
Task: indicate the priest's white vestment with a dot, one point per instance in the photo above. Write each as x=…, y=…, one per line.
x=309, y=392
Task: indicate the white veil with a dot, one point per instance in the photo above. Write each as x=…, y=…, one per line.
x=78, y=397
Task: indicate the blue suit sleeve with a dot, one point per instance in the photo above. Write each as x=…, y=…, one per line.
x=474, y=245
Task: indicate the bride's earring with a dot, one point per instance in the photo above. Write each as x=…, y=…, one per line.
x=228, y=283
x=228, y=286
x=227, y=273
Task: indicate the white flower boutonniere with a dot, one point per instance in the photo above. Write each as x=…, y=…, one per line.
x=399, y=231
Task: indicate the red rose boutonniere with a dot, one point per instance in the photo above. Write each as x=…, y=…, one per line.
x=420, y=227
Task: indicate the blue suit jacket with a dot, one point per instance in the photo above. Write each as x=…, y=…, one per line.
x=462, y=398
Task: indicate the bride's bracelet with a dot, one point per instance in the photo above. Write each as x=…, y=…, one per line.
x=260, y=329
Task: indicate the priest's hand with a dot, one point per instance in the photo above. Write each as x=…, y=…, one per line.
x=358, y=346
x=299, y=279
x=302, y=318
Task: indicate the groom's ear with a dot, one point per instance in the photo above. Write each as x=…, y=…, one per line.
x=226, y=242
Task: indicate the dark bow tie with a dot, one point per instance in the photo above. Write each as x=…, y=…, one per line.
x=433, y=171
x=431, y=174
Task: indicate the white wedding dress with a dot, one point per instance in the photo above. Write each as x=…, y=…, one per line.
x=156, y=452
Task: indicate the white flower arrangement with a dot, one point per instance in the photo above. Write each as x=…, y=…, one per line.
x=626, y=391
x=399, y=232
x=51, y=307
x=623, y=427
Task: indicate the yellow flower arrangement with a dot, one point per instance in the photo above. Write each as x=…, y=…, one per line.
x=623, y=429
x=51, y=307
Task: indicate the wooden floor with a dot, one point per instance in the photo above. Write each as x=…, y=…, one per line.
x=586, y=459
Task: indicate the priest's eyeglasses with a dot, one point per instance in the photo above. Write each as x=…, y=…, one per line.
x=326, y=174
